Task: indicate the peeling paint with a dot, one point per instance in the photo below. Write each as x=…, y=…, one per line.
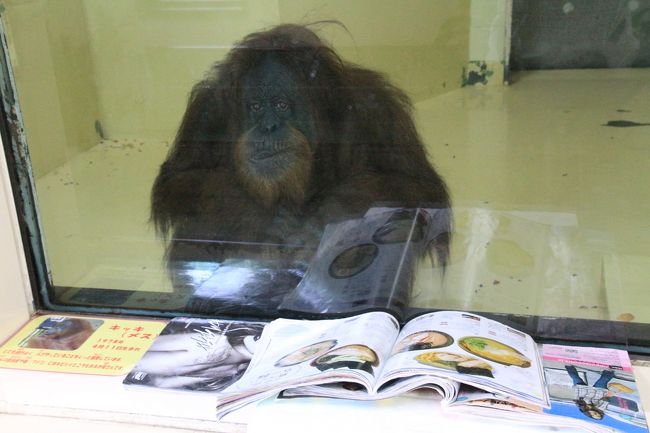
x=476, y=72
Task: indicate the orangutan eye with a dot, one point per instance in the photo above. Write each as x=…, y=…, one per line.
x=282, y=106
x=255, y=107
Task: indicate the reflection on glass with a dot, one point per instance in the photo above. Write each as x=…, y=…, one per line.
x=280, y=140
x=547, y=168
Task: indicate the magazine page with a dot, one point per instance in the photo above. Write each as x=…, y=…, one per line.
x=299, y=352
x=470, y=349
x=443, y=388
x=475, y=403
x=469, y=396
x=593, y=385
x=367, y=264
x=197, y=355
x=410, y=413
x=592, y=389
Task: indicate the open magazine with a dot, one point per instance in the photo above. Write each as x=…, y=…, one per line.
x=368, y=357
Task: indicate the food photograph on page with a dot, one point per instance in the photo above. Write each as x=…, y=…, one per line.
x=423, y=340
x=352, y=356
x=306, y=353
x=492, y=350
x=461, y=363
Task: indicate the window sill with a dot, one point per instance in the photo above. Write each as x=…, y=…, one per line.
x=38, y=397
x=27, y=411
x=28, y=418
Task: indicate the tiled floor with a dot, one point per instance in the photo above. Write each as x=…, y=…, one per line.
x=552, y=204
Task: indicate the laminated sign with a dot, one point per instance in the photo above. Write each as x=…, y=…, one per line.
x=79, y=344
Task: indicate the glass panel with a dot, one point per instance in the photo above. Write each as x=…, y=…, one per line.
x=202, y=156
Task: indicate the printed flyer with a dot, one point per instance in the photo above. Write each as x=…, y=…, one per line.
x=79, y=344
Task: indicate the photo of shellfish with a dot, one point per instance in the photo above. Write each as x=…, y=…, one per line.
x=493, y=350
x=452, y=361
x=352, y=356
x=306, y=353
x=423, y=340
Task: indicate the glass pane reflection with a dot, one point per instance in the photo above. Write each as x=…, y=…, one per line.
x=547, y=169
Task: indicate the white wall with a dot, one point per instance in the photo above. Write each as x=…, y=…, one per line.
x=488, y=30
x=14, y=282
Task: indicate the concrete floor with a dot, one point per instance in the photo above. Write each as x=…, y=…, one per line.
x=552, y=206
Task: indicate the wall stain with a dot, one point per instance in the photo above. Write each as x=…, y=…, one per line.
x=624, y=124
x=99, y=129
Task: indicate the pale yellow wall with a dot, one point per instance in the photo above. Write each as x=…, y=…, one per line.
x=15, y=294
x=422, y=45
x=148, y=54
x=54, y=78
x=131, y=64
